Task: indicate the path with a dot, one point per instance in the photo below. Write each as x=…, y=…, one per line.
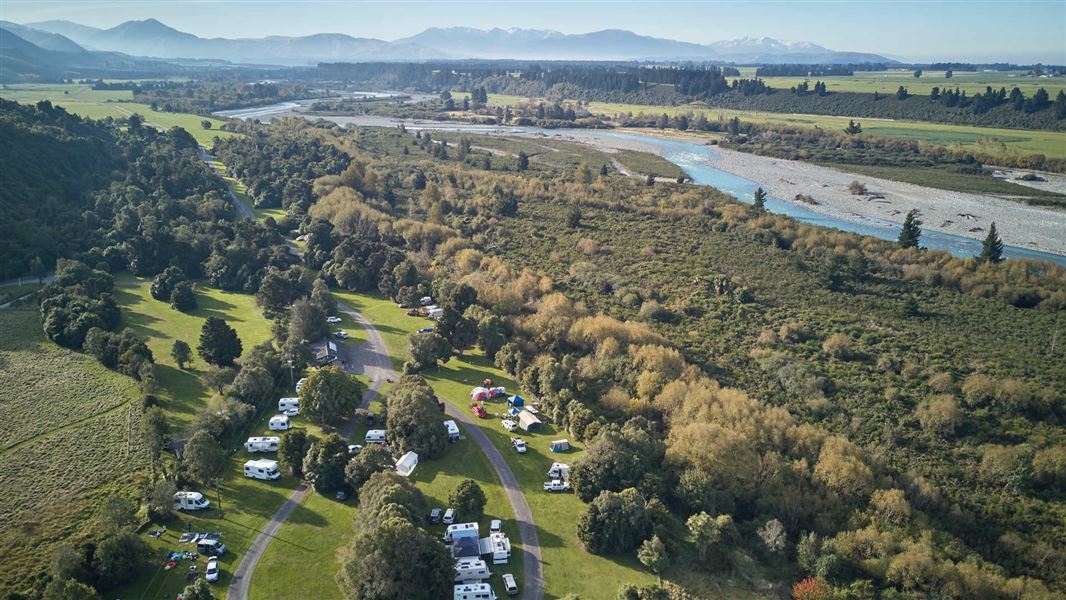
x=243, y=211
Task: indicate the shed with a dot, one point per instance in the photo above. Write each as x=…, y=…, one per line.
x=528, y=421
x=560, y=445
x=516, y=400
x=407, y=463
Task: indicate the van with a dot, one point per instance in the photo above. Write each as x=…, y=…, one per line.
x=210, y=547
x=190, y=501
x=471, y=570
x=262, y=444
x=288, y=404
x=375, y=436
x=449, y=516
x=509, y=585
x=262, y=469
x=280, y=423
x=473, y=591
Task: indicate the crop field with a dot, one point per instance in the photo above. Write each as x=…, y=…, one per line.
x=82, y=100
x=74, y=444
x=886, y=82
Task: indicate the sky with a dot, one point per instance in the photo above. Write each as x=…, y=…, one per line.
x=917, y=30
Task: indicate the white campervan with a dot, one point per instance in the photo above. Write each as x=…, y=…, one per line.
x=262, y=469
x=471, y=570
x=559, y=471
x=280, y=423
x=375, y=436
x=190, y=501
x=473, y=591
x=262, y=444
x=453, y=430
x=288, y=404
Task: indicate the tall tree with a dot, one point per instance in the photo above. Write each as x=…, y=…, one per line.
x=523, y=160
x=912, y=230
x=396, y=560
x=992, y=249
x=329, y=395
x=325, y=462
x=652, y=554
x=292, y=450
x=219, y=343
x=469, y=500
x=181, y=353
x=414, y=422
x=760, y=199
x=205, y=459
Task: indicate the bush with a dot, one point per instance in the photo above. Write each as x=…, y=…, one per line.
x=469, y=500
x=839, y=346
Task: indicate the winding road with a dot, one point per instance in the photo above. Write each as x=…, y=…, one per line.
x=372, y=361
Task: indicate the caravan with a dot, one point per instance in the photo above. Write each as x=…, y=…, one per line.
x=190, y=501
x=471, y=570
x=453, y=430
x=375, y=436
x=559, y=471
x=280, y=423
x=262, y=444
x=474, y=591
x=262, y=469
x=286, y=404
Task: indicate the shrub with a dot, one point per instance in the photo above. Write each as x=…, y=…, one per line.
x=839, y=346
x=940, y=413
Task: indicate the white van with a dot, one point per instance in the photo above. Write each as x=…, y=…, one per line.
x=375, y=436
x=473, y=591
x=559, y=471
x=288, y=404
x=280, y=423
x=262, y=469
x=190, y=501
x=471, y=570
x=262, y=444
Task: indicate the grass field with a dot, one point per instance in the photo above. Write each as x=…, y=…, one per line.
x=887, y=82
x=81, y=99
x=242, y=193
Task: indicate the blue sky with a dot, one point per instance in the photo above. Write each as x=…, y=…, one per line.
x=1022, y=31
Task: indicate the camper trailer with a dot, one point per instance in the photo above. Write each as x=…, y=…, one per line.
x=471, y=570
x=262, y=469
x=559, y=471
x=459, y=530
x=498, y=546
x=453, y=430
x=406, y=464
x=262, y=444
x=190, y=501
x=375, y=436
x=473, y=591
x=288, y=404
x=280, y=423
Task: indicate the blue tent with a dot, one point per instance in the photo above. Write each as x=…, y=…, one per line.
x=516, y=400
x=513, y=410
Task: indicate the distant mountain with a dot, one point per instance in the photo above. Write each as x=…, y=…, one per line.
x=75, y=31
x=769, y=50
x=42, y=39
x=24, y=61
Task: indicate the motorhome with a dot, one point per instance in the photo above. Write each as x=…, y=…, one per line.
x=190, y=501
x=474, y=591
x=559, y=471
x=498, y=546
x=453, y=430
x=375, y=436
x=262, y=469
x=459, y=530
x=280, y=423
x=262, y=444
x=288, y=404
x=471, y=570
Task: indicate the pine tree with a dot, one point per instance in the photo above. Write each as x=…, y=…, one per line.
x=760, y=199
x=219, y=343
x=992, y=250
x=523, y=161
x=912, y=230
x=603, y=170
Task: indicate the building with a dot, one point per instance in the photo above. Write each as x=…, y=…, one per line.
x=324, y=352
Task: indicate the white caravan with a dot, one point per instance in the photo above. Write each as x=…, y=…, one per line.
x=262, y=444
x=190, y=501
x=453, y=430
x=280, y=423
x=559, y=471
x=473, y=591
x=375, y=436
x=262, y=469
x=288, y=404
x=471, y=570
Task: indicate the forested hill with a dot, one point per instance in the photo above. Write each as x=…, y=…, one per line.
x=50, y=161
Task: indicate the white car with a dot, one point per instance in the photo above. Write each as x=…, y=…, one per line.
x=354, y=448
x=212, y=569
x=495, y=525
x=509, y=425
x=300, y=384
x=509, y=584
x=449, y=516
x=342, y=334
x=332, y=320
x=292, y=412
x=556, y=485
x=519, y=445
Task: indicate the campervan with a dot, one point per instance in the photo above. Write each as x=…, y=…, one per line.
x=559, y=471
x=262, y=444
x=190, y=501
x=498, y=546
x=375, y=436
x=471, y=570
x=288, y=404
x=473, y=591
x=460, y=530
x=262, y=469
x=210, y=547
x=280, y=423
x=453, y=430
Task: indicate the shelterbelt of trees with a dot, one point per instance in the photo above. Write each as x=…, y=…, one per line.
x=739, y=413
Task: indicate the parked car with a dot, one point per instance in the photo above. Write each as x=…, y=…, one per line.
x=495, y=525
x=342, y=334
x=300, y=384
x=211, y=574
x=341, y=495
x=413, y=313
x=479, y=411
x=556, y=485
x=332, y=320
x=211, y=547
x=371, y=418
x=434, y=515
x=519, y=445
x=509, y=584
x=509, y=425
x=292, y=412
x=426, y=330
x=449, y=516
x=354, y=448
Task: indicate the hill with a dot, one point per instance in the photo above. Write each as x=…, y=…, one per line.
x=43, y=39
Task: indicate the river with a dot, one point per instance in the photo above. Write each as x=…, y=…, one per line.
x=698, y=162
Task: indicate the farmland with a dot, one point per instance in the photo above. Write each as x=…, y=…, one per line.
x=886, y=82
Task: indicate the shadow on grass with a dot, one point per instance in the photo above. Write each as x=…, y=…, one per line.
x=211, y=306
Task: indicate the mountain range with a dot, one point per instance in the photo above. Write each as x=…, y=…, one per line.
x=150, y=38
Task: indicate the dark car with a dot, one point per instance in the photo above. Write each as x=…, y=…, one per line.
x=434, y=515
x=371, y=418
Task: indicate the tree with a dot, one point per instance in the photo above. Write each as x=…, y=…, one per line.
x=992, y=249
x=772, y=534
x=491, y=335
x=117, y=514
x=307, y=321
x=182, y=297
x=69, y=589
x=523, y=161
x=425, y=349
x=917, y=73
x=205, y=124
x=330, y=394
x=198, y=590
x=370, y=460
x=614, y=523
x=414, y=423
x=707, y=532
x=163, y=284
x=760, y=199
x=604, y=171
x=324, y=464
x=812, y=589
x=219, y=343
x=901, y=93
x=396, y=560
x=911, y=232
x=161, y=500
x=292, y=450
x=948, y=74
x=469, y=500
x=322, y=297
x=652, y=554
x=181, y=353
x=217, y=378
x=853, y=127
x=118, y=559
x=205, y=459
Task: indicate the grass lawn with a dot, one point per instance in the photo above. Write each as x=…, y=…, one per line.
x=887, y=82
x=82, y=100
x=14, y=292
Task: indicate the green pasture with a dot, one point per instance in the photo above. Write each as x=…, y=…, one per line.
x=887, y=82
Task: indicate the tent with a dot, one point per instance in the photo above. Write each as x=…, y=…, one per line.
x=479, y=394
x=516, y=400
x=498, y=391
x=407, y=463
x=560, y=445
x=513, y=410
x=528, y=421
